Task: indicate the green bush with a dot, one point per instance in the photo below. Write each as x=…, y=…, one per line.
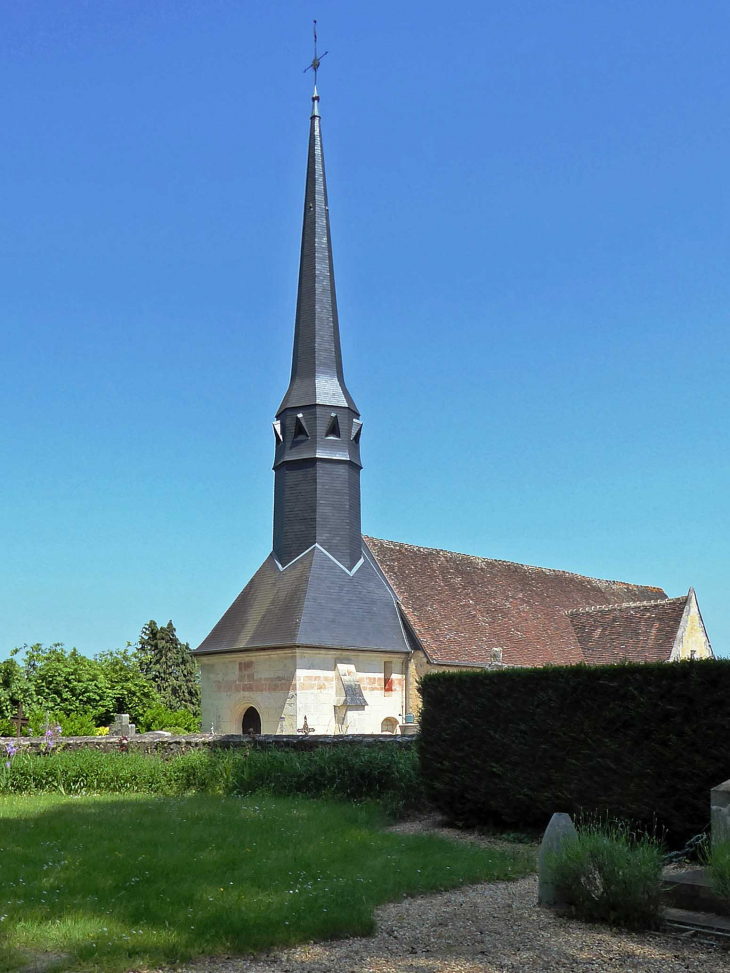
x=385, y=774
x=7, y=729
x=161, y=718
x=512, y=747
x=77, y=725
x=72, y=725
x=609, y=874
x=717, y=863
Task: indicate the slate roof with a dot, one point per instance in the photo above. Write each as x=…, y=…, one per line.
x=642, y=632
x=462, y=607
x=312, y=602
x=316, y=374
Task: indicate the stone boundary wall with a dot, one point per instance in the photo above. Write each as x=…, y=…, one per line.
x=172, y=745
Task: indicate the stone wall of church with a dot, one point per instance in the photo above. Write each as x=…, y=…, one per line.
x=319, y=689
x=418, y=666
x=264, y=679
x=692, y=641
x=287, y=685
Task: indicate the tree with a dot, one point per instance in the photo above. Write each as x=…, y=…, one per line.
x=68, y=682
x=170, y=666
x=14, y=688
x=131, y=690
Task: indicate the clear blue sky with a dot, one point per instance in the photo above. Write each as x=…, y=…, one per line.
x=529, y=206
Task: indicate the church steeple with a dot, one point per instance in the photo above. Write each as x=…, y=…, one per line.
x=319, y=587
x=317, y=427
x=316, y=374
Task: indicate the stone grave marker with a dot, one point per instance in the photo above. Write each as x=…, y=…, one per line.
x=559, y=830
x=121, y=727
x=720, y=812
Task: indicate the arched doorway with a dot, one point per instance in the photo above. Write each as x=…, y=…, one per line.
x=389, y=725
x=251, y=721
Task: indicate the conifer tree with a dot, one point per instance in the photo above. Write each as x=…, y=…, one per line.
x=170, y=666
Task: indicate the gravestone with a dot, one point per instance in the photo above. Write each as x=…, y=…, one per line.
x=560, y=830
x=121, y=727
x=720, y=812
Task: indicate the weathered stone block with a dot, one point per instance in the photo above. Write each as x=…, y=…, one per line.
x=559, y=831
x=720, y=812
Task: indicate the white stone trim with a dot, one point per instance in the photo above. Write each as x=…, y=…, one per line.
x=322, y=549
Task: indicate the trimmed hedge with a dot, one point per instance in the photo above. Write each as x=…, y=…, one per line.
x=643, y=742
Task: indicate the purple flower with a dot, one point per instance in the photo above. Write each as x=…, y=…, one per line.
x=7, y=765
x=12, y=749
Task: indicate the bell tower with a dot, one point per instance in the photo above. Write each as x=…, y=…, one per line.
x=317, y=428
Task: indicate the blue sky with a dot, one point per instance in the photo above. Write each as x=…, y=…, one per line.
x=529, y=207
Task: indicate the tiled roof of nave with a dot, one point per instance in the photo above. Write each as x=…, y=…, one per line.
x=640, y=632
x=462, y=607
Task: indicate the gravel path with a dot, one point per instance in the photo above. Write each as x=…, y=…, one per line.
x=493, y=928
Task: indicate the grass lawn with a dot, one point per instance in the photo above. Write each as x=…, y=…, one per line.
x=107, y=883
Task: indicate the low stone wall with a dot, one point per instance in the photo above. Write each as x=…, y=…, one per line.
x=172, y=745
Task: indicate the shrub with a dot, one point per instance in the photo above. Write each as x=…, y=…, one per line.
x=609, y=874
x=511, y=747
x=385, y=774
x=78, y=725
x=161, y=718
x=8, y=729
x=717, y=863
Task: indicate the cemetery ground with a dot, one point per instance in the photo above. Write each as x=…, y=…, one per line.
x=120, y=882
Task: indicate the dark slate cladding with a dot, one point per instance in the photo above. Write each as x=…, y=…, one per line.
x=314, y=603
x=319, y=501
x=317, y=588
x=316, y=374
x=317, y=461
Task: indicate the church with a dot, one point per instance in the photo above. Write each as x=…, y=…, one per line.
x=333, y=632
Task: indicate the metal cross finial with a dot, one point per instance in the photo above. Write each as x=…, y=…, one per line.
x=316, y=60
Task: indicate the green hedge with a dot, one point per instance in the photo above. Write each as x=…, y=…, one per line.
x=640, y=742
x=382, y=773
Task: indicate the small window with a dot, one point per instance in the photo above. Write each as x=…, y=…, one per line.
x=278, y=432
x=300, y=430
x=333, y=430
x=388, y=678
x=356, y=430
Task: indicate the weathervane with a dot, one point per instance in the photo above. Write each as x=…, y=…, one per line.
x=316, y=60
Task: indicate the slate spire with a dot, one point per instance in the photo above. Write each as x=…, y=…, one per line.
x=319, y=587
x=316, y=374
x=317, y=428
